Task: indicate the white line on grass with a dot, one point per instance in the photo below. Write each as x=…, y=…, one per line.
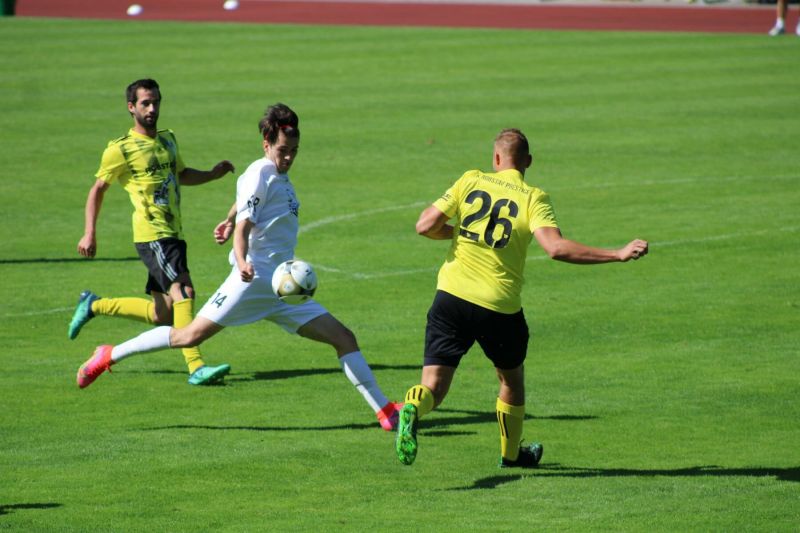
x=350, y=216
x=362, y=276
x=37, y=313
x=710, y=238
x=408, y=272
x=656, y=244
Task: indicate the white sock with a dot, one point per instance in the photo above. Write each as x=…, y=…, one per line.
x=779, y=23
x=154, y=339
x=359, y=373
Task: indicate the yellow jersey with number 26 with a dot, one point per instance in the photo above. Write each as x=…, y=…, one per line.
x=496, y=214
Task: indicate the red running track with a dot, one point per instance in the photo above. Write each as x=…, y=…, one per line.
x=682, y=17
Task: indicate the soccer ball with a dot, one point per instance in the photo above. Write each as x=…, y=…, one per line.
x=294, y=281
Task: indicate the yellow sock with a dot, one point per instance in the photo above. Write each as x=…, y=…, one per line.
x=136, y=308
x=509, y=418
x=182, y=315
x=422, y=397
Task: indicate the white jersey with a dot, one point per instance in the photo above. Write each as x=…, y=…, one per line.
x=268, y=200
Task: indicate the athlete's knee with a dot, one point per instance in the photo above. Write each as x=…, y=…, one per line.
x=162, y=317
x=512, y=386
x=181, y=290
x=187, y=291
x=513, y=378
x=187, y=337
x=345, y=341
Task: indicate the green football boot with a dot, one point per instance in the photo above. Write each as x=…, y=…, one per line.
x=209, y=375
x=83, y=313
x=406, y=442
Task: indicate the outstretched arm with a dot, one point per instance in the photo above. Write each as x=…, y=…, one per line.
x=433, y=224
x=557, y=247
x=192, y=176
x=87, y=246
x=224, y=229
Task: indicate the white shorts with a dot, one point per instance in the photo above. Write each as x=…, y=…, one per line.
x=236, y=303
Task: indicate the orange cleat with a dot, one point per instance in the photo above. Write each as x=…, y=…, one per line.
x=389, y=415
x=99, y=362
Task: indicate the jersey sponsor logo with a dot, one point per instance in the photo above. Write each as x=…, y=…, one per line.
x=161, y=196
x=154, y=167
x=503, y=183
x=294, y=205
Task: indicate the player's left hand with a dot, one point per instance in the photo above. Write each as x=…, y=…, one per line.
x=634, y=250
x=222, y=168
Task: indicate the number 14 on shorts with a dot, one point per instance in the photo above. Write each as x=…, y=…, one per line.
x=218, y=299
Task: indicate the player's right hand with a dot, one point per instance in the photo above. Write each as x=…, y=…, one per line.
x=87, y=246
x=247, y=272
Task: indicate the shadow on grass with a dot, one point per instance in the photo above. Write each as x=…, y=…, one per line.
x=556, y=470
x=5, y=509
x=66, y=260
x=273, y=375
x=440, y=433
x=491, y=482
x=303, y=372
x=429, y=427
x=480, y=417
x=267, y=428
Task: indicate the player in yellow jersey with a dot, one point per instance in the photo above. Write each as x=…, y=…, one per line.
x=478, y=293
x=148, y=165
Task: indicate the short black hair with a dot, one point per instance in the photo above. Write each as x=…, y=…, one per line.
x=146, y=83
x=277, y=118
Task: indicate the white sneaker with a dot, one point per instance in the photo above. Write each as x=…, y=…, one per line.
x=777, y=30
x=797, y=29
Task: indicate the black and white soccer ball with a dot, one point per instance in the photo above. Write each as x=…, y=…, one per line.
x=294, y=281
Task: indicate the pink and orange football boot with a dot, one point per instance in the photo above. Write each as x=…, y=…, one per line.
x=389, y=415
x=99, y=362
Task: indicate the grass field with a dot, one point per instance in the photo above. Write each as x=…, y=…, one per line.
x=665, y=391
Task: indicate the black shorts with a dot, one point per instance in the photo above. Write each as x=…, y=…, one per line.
x=165, y=260
x=455, y=324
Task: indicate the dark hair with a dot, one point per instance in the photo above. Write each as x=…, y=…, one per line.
x=514, y=142
x=277, y=118
x=146, y=83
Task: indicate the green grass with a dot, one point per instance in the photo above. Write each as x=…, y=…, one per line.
x=665, y=391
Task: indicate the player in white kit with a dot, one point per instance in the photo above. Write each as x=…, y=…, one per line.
x=264, y=223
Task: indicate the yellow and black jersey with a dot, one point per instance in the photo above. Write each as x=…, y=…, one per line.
x=496, y=214
x=148, y=169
